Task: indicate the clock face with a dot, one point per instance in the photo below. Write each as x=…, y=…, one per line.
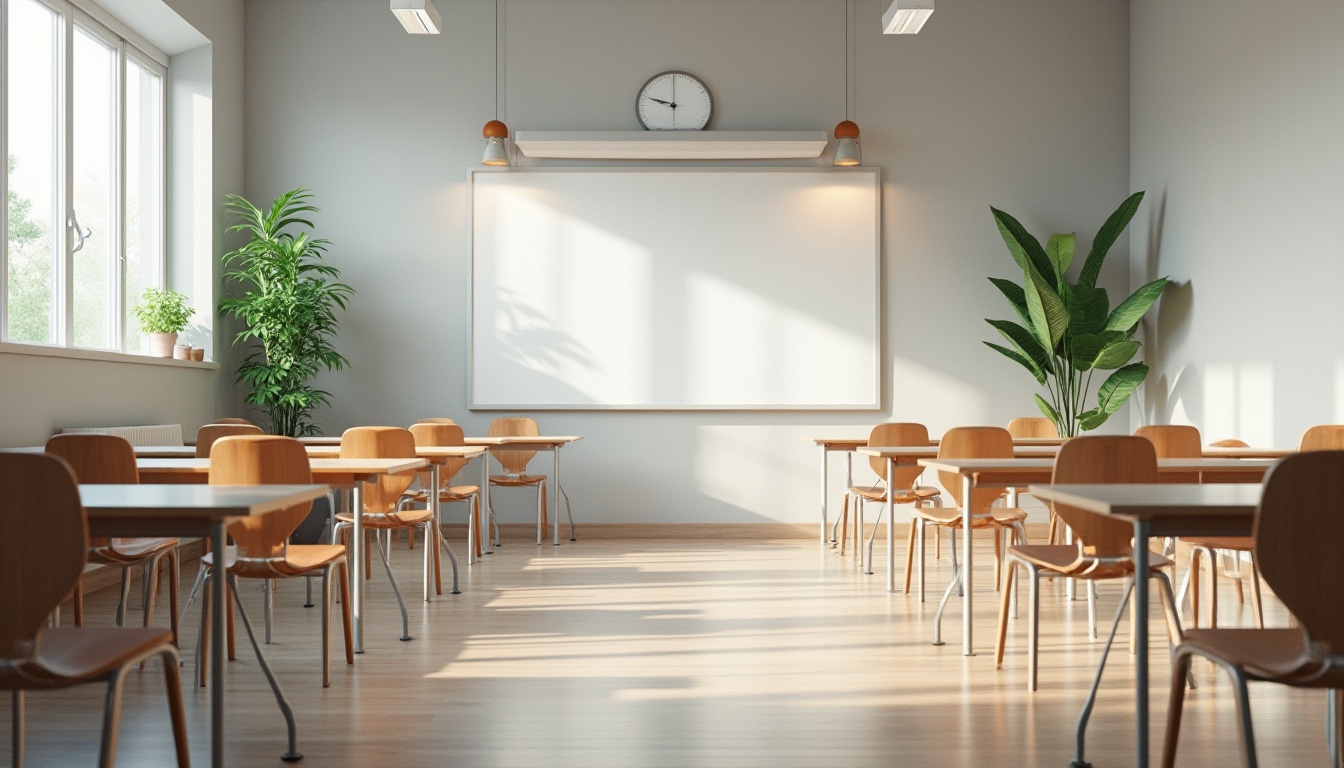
x=674, y=101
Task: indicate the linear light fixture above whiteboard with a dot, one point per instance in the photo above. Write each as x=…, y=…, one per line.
x=671, y=145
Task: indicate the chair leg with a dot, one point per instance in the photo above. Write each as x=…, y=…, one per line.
x=195, y=590
x=476, y=520
x=174, y=586
x=293, y=752
x=1091, y=609
x=1213, y=588
x=923, y=555
x=1195, y=554
x=203, y=635
x=438, y=563
x=107, y=752
x=17, y=724
x=1335, y=734
x=452, y=559
x=938, y=543
x=1256, y=605
x=79, y=603
x=844, y=524
x=909, y=553
x=343, y=583
x=1034, y=628
x=268, y=608
x=326, y=625
x=172, y=674
x=229, y=633
x=1002, y=635
x=998, y=558
x=952, y=540
x=1180, y=667
x=868, y=569
x=430, y=551
x=125, y=596
x=938, y=617
x=405, y=620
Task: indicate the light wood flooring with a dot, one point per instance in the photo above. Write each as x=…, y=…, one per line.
x=675, y=653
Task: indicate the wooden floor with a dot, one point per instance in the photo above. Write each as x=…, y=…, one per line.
x=675, y=653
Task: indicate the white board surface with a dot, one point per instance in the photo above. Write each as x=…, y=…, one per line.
x=675, y=289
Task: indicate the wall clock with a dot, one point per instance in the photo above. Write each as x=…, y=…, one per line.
x=674, y=101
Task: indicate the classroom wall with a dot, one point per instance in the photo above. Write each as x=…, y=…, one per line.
x=43, y=393
x=1237, y=116
x=1022, y=104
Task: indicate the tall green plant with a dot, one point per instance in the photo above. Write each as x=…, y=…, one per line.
x=287, y=302
x=1068, y=330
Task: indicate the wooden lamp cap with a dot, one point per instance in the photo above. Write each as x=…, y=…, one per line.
x=847, y=130
x=498, y=130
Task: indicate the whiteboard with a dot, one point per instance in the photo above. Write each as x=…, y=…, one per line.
x=652, y=289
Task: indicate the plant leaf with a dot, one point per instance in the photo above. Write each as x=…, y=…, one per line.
x=1090, y=420
x=1084, y=349
x=1015, y=295
x=1027, y=344
x=1025, y=248
x=1115, y=355
x=1131, y=310
x=1059, y=249
x=1087, y=309
x=1050, y=412
x=1020, y=360
x=1048, y=317
x=1106, y=237
x=1119, y=386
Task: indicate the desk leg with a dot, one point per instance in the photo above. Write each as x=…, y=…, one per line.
x=1141, y=532
x=555, y=493
x=436, y=522
x=486, y=515
x=967, y=561
x=891, y=526
x=218, y=607
x=824, y=456
x=471, y=526
x=357, y=564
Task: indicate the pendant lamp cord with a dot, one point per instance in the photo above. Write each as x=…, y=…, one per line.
x=497, y=59
x=846, y=59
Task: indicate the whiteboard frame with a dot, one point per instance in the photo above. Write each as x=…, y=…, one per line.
x=473, y=404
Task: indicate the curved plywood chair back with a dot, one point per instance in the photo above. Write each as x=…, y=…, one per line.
x=439, y=433
x=513, y=462
x=974, y=443
x=208, y=434
x=1298, y=527
x=441, y=420
x=1230, y=443
x=97, y=459
x=1324, y=437
x=381, y=495
x=262, y=460
x=893, y=435
x=1035, y=426
x=1173, y=441
x=1108, y=459
x=43, y=544
x=231, y=420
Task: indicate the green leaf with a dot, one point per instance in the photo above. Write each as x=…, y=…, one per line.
x=1087, y=309
x=1050, y=412
x=1027, y=344
x=1090, y=420
x=1021, y=360
x=1119, y=386
x=1115, y=355
x=1084, y=348
x=1015, y=295
x=1106, y=237
x=1025, y=249
x=1048, y=317
x=1059, y=249
x=1131, y=310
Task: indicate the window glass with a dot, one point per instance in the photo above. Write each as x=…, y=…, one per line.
x=144, y=190
x=94, y=130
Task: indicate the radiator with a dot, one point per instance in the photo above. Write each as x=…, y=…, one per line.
x=150, y=434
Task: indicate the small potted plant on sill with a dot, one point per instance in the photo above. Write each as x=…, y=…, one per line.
x=162, y=314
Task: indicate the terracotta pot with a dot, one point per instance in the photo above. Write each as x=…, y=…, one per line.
x=161, y=344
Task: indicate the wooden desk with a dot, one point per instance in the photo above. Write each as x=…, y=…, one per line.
x=191, y=510
x=553, y=444
x=348, y=475
x=1156, y=510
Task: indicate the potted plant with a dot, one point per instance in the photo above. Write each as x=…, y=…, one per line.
x=162, y=314
x=1068, y=330
x=287, y=299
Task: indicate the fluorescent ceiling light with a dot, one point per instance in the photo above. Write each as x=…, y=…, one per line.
x=906, y=17
x=417, y=16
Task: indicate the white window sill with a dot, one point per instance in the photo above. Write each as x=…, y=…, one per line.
x=41, y=350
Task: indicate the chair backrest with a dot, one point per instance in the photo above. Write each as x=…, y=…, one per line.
x=381, y=495
x=442, y=420
x=1323, y=437
x=208, y=434
x=513, y=462
x=1173, y=441
x=1032, y=426
x=440, y=434
x=231, y=420
x=893, y=435
x=1298, y=527
x=973, y=443
x=43, y=545
x=1103, y=459
x=262, y=460
x=1230, y=443
x=97, y=460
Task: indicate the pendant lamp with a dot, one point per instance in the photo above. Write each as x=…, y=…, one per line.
x=847, y=131
x=495, y=131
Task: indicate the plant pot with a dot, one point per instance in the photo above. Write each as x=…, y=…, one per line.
x=161, y=344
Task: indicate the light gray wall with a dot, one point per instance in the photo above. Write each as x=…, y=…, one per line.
x=43, y=394
x=1237, y=120
x=1023, y=104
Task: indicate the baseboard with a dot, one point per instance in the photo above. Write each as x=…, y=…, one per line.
x=456, y=531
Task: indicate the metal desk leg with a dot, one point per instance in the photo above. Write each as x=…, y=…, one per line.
x=485, y=503
x=555, y=493
x=435, y=521
x=891, y=526
x=967, y=573
x=357, y=564
x=217, y=649
x=1141, y=529
x=825, y=454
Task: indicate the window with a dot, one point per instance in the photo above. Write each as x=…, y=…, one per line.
x=84, y=176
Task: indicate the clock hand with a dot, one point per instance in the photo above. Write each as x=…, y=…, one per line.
x=660, y=101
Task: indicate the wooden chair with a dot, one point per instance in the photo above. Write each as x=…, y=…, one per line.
x=1030, y=427
x=442, y=420
x=43, y=545
x=231, y=420
x=447, y=434
x=208, y=434
x=110, y=460
x=1102, y=549
x=907, y=489
x=1324, y=437
x=515, y=463
x=261, y=548
x=1298, y=526
x=383, y=511
x=969, y=443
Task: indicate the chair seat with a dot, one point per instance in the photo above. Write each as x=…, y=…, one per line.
x=1264, y=653
x=69, y=655
x=403, y=519
x=126, y=551
x=879, y=494
x=950, y=516
x=1236, y=543
x=455, y=493
x=299, y=559
x=509, y=480
x=1063, y=559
